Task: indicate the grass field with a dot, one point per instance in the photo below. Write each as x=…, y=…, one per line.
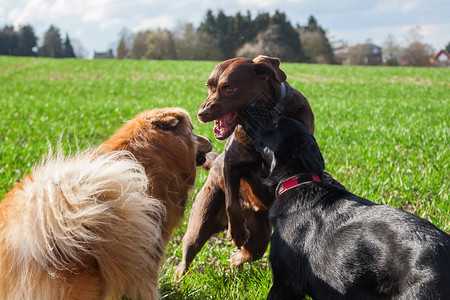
x=384, y=134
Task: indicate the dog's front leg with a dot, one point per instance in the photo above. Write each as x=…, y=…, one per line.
x=237, y=229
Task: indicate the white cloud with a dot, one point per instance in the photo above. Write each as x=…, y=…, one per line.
x=163, y=22
x=32, y=11
x=89, y=11
x=257, y=3
x=105, y=24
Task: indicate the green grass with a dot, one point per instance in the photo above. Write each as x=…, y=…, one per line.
x=384, y=133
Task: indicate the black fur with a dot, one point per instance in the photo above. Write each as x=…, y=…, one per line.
x=331, y=244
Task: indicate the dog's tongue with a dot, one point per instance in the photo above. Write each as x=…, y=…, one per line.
x=223, y=127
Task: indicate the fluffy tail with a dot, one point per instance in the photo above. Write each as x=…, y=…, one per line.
x=84, y=208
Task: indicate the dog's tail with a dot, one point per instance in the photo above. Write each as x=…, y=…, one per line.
x=87, y=208
x=210, y=158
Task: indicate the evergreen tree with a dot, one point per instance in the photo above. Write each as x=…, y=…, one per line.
x=52, y=46
x=288, y=37
x=312, y=24
x=9, y=41
x=209, y=24
x=68, y=49
x=315, y=43
x=232, y=32
x=27, y=41
x=447, y=48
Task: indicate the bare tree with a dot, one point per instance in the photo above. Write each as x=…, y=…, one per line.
x=268, y=42
x=418, y=54
x=160, y=45
x=139, y=46
x=191, y=44
x=357, y=55
x=125, y=44
x=341, y=50
x=316, y=46
x=392, y=52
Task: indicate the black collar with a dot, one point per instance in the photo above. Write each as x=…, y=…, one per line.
x=287, y=93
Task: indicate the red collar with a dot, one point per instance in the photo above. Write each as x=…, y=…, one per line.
x=296, y=181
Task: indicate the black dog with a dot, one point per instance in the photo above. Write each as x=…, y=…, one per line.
x=331, y=244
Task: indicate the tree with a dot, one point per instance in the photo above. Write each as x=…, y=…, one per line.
x=418, y=54
x=392, y=52
x=125, y=43
x=139, y=48
x=21, y=42
x=315, y=43
x=52, y=46
x=358, y=55
x=276, y=37
x=160, y=45
x=195, y=45
x=312, y=24
x=9, y=41
x=341, y=51
x=68, y=49
x=122, y=51
x=232, y=32
x=288, y=37
x=154, y=45
x=27, y=41
x=78, y=48
x=447, y=48
x=266, y=42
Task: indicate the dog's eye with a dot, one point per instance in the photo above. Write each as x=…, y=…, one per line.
x=229, y=90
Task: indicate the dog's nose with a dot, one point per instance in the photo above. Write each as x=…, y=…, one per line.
x=204, y=114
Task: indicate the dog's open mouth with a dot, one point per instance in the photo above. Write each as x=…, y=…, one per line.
x=224, y=127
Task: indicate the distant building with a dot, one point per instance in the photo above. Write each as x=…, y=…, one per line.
x=441, y=59
x=104, y=55
x=364, y=54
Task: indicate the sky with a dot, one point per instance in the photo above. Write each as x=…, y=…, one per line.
x=95, y=25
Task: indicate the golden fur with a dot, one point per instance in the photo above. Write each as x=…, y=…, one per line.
x=95, y=225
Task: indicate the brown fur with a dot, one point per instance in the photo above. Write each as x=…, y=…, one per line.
x=163, y=142
x=233, y=195
x=118, y=256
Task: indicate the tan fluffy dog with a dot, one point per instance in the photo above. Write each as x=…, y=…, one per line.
x=95, y=225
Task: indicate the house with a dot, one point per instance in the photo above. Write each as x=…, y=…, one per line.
x=441, y=59
x=373, y=55
x=103, y=55
x=364, y=54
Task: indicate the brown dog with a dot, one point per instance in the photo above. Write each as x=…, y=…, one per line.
x=162, y=140
x=233, y=194
x=95, y=225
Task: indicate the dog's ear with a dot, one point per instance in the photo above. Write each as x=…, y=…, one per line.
x=166, y=122
x=268, y=67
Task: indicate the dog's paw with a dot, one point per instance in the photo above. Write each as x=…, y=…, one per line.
x=237, y=259
x=239, y=237
x=179, y=272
